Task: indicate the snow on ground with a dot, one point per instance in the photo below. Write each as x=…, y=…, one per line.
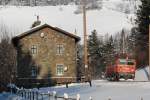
x=19, y=19
x=142, y=74
x=9, y=96
x=101, y=89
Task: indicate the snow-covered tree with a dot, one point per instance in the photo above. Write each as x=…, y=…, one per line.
x=95, y=48
x=143, y=22
x=109, y=49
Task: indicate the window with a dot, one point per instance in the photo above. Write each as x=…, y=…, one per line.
x=34, y=49
x=60, y=70
x=122, y=61
x=130, y=63
x=34, y=71
x=60, y=49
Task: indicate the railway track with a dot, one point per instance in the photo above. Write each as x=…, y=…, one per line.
x=128, y=81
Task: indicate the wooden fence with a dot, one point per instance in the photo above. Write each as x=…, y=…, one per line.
x=28, y=94
x=36, y=95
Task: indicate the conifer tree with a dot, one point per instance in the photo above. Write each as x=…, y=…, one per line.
x=142, y=32
x=109, y=51
x=95, y=53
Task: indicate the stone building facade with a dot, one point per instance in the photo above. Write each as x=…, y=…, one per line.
x=46, y=53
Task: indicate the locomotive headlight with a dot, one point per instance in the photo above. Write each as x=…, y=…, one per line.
x=132, y=75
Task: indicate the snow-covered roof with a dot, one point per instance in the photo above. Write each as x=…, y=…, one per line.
x=39, y=27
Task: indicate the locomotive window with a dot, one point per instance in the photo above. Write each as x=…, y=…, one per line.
x=122, y=62
x=130, y=63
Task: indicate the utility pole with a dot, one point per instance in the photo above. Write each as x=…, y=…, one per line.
x=85, y=41
x=149, y=50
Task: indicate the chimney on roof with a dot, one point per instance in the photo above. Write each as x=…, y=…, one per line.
x=37, y=18
x=75, y=32
x=36, y=23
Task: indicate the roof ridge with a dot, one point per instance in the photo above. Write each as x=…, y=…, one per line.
x=47, y=25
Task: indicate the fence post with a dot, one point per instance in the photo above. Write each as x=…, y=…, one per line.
x=37, y=95
x=90, y=98
x=42, y=96
x=55, y=95
x=66, y=85
x=49, y=95
x=78, y=96
x=109, y=98
x=33, y=95
x=30, y=94
x=141, y=98
x=66, y=96
x=22, y=94
x=25, y=94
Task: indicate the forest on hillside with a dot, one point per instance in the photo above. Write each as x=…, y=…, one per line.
x=43, y=2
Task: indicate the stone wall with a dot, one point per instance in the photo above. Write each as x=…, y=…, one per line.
x=46, y=58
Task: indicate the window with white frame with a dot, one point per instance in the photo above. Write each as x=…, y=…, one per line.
x=34, y=49
x=60, y=70
x=34, y=71
x=60, y=49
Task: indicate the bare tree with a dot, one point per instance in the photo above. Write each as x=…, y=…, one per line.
x=7, y=58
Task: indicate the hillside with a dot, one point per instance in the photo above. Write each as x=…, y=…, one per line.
x=109, y=19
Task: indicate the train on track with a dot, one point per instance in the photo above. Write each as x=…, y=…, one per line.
x=123, y=68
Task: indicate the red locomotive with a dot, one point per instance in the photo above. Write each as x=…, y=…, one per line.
x=122, y=68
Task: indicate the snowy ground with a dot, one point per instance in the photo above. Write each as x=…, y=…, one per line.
x=142, y=74
x=9, y=96
x=102, y=89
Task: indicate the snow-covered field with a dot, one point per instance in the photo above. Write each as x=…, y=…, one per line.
x=106, y=20
x=101, y=89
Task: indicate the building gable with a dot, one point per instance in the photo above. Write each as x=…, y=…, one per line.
x=38, y=28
